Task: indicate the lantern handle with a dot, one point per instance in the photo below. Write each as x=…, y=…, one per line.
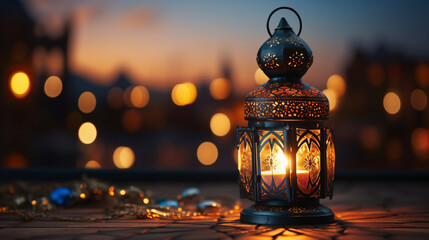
x=288, y=8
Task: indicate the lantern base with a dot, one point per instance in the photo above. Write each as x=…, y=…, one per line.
x=286, y=215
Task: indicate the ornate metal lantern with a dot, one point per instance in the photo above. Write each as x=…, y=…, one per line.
x=286, y=156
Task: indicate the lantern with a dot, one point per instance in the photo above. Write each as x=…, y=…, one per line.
x=286, y=156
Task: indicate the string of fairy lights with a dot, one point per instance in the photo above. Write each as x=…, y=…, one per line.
x=184, y=94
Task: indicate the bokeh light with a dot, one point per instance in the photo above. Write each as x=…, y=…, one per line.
x=337, y=84
x=15, y=160
x=422, y=75
x=220, y=124
x=87, y=102
x=19, y=84
x=331, y=98
x=391, y=103
x=139, y=96
x=207, y=153
x=53, y=86
x=115, y=98
x=92, y=164
x=420, y=140
x=131, y=120
x=370, y=137
x=87, y=133
x=220, y=88
x=260, y=77
x=123, y=157
x=418, y=99
x=184, y=94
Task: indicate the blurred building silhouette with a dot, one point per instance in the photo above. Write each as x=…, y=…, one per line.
x=383, y=119
x=25, y=47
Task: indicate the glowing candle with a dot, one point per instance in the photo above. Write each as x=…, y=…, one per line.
x=278, y=176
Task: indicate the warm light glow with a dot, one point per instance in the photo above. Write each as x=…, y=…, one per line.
x=122, y=192
x=420, y=140
x=87, y=133
x=422, y=75
x=82, y=195
x=337, y=84
x=33, y=202
x=392, y=103
x=184, y=94
x=145, y=200
x=132, y=120
x=112, y=191
x=207, y=153
x=53, y=86
x=220, y=124
x=19, y=84
x=87, y=102
x=418, y=99
x=92, y=164
x=139, y=96
x=115, y=98
x=15, y=160
x=123, y=157
x=260, y=77
x=370, y=137
x=282, y=160
x=331, y=95
x=220, y=88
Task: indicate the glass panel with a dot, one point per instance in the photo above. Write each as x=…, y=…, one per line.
x=308, y=162
x=330, y=155
x=273, y=165
x=245, y=163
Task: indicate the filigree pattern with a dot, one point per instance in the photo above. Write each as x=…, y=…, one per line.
x=330, y=157
x=308, y=158
x=273, y=183
x=286, y=89
x=245, y=163
x=310, y=163
x=275, y=100
x=296, y=59
x=310, y=61
x=274, y=41
x=270, y=61
x=290, y=109
x=271, y=162
x=295, y=41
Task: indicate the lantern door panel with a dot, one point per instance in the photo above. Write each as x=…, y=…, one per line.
x=245, y=162
x=330, y=160
x=308, y=164
x=273, y=165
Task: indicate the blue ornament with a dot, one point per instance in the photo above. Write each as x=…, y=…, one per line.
x=208, y=206
x=168, y=203
x=60, y=196
x=189, y=195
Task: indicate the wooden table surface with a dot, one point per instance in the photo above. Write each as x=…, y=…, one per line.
x=363, y=210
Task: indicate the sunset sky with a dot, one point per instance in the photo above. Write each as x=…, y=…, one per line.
x=160, y=43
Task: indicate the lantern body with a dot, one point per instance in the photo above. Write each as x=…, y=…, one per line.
x=286, y=156
x=286, y=162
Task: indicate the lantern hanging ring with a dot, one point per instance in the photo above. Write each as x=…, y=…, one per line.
x=288, y=8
